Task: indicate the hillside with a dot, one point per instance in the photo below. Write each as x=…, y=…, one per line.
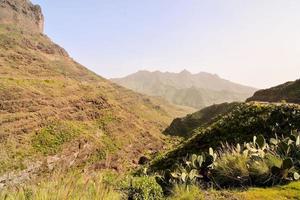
x=239, y=124
x=194, y=90
x=289, y=92
x=184, y=126
x=55, y=113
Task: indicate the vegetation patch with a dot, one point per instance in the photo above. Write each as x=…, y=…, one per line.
x=50, y=138
x=184, y=126
x=257, y=163
x=70, y=186
x=143, y=188
x=237, y=126
x=289, y=92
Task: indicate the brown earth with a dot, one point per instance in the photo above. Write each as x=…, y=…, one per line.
x=44, y=92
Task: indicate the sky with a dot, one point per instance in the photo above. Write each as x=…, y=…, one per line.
x=252, y=42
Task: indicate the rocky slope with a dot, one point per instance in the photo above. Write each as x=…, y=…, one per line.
x=194, y=90
x=289, y=92
x=55, y=113
x=22, y=13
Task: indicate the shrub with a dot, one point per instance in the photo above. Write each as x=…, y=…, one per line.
x=259, y=171
x=50, y=138
x=257, y=163
x=231, y=170
x=144, y=188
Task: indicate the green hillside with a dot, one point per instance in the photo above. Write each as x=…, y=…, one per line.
x=184, y=126
x=239, y=124
x=289, y=92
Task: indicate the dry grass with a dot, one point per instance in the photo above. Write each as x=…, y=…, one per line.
x=72, y=186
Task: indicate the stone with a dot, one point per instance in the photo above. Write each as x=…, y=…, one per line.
x=143, y=160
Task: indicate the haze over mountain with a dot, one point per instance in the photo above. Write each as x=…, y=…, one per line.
x=184, y=88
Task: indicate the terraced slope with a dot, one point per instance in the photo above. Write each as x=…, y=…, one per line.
x=289, y=92
x=55, y=111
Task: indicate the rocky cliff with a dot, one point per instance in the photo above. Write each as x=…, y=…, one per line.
x=23, y=14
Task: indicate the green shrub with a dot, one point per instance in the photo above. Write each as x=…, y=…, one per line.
x=50, y=138
x=231, y=170
x=144, y=188
x=259, y=171
x=257, y=163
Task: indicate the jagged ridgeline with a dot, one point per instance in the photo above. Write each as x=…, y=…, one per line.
x=184, y=88
x=238, y=125
x=55, y=111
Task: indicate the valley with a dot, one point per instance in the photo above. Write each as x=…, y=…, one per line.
x=69, y=133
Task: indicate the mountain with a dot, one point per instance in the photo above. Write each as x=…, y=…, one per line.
x=55, y=113
x=289, y=92
x=194, y=90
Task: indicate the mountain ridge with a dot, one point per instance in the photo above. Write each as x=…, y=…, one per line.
x=184, y=88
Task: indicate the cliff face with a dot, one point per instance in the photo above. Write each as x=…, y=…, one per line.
x=23, y=14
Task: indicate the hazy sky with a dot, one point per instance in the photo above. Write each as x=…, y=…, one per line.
x=254, y=42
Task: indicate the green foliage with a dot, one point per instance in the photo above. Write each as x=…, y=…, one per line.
x=257, y=163
x=144, y=188
x=184, y=127
x=231, y=170
x=195, y=167
x=183, y=193
x=49, y=139
x=240, y=124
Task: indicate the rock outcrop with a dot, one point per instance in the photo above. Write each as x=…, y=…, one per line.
x=23, y=14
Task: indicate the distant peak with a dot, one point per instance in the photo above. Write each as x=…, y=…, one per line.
x=23, y=14
x=185, y=72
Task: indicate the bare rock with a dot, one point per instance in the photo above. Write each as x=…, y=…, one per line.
x=23, y=14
